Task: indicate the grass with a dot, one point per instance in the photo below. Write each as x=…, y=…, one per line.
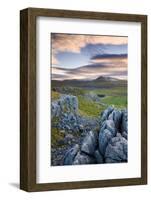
x=56, y=136
x=55, y=133
x=116, y=101
x=116, y=96
x=115, y=91
x=55, y=95
x=89, y=108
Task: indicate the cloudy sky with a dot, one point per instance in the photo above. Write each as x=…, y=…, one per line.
x=76, y=56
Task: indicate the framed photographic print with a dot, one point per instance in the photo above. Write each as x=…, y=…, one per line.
x=83, y=93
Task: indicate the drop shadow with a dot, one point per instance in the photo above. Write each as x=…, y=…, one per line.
x=16, y=185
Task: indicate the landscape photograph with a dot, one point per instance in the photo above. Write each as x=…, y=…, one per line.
x=89, y=118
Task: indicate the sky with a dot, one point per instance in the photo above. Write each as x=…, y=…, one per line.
x=75, y=56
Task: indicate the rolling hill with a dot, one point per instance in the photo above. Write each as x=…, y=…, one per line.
x=100, y=82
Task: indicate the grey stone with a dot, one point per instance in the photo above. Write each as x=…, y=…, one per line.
x=116, y=116
x=110, y=160
x=68, y=138
x=118, y=134
x=70, y=155
x=124, y=126
x=98, y=157
x=55, y=109
x=89, y=143
x=71, y=103
x=66, y=103
x=109, y=125
x=116, y=150
x=105, y=113
x=81, y=127
x=82, y=158
x=125, y=135
x=104, y=137
x=71, y=117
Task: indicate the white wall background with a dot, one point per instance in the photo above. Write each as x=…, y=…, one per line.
x=9, y=98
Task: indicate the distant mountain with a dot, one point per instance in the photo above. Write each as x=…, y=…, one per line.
x=100, y=82
x=106, y=78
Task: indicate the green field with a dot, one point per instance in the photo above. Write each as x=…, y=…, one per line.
x=93, y=97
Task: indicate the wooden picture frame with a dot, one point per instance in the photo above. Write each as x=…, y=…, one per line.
x=28, y=98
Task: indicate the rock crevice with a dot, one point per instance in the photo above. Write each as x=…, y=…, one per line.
x=109, y=145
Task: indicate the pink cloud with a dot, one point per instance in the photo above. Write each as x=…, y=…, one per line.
x=73, y=42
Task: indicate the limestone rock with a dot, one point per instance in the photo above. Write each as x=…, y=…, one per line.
x=82, y=158
x=66, y=104
x=104, y=137
x=70, y=155
x=98, y=157
x=105, y=113
x=124, y=122
x=116, y=150
x=109, y=125
x=116, y=116
x=89, y=143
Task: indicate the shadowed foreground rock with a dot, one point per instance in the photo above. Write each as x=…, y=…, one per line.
x=90, y=143
x=109, y=145
x=116, y=150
